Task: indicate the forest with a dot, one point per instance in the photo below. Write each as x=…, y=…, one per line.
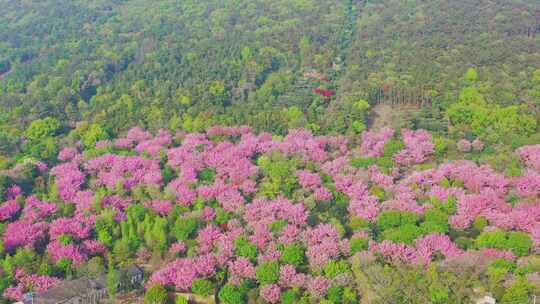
x=284, y=151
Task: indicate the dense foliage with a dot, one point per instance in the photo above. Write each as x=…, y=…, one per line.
x=273, y=65
x=296, y=219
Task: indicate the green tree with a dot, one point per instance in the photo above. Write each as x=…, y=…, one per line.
x=231, y=294
x=293, y=254
x=113, y=280
x=156, y=294
x=203, y=287
x=244, y=248
x=93, y=134
x=42, y=128
x=268, y=272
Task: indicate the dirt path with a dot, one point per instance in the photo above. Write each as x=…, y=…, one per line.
x=381, y=116
x=392, y=116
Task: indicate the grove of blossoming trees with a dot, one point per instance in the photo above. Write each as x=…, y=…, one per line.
x=249, y=217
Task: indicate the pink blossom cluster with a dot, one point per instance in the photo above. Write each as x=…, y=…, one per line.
x=313, y=182
x=13, y=192
x=302, y=142
x=181, y=272
x=405, y=200
x=498, y=254
x=83, y=201
x=9, y=209
x=215, y=179
x=421, y=252
x=464, y=145
x=373, y=142
x=471, y=206
x=185, y=194
x=418, y=146
x=271, y=293
x=177, y=248
x=308, y=180
x=118, y=204
x=324, y=244
x=318, y=286
x=29, y=282
x=528, y=185
x=473, y=177
x=35, y=209
x=362, y=203
x=228, y=131
x=241, y=268
x=289, y=278
x=79, y=227
x=155, y=145
x=67, y=154
x=161, y=207
x=477, y=145
x=93, y=247
x=69, y=179
x=128, y=171
x=24, y=233
x=262, y=211
x=71, y=252
x=134, y=135
x=530, y=156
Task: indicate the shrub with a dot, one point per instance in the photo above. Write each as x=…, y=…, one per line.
x=42, y=128
x=394, y=218
x=184, y=227
x=202, y=287
x=207, y=176
x=403, y=234
x=277, y=226
x=349, y=296
x=519, y=242
x=231, y=294
x=222, y=216
x=357, y=223
x=334, y=268
x=358, y=244
x=335, y=294
x=518, y=292
x=245, y=249
x=464, y=242
x=156, y=294
x=65, y=239
x=492, y=239
x=503, y=264
x=181, y=300
x=441, y=145
x=268, y=272
x=435, y=220
x=392, y=147
x=363, y=162
x=480, y=223
x=438, y=295
x=389, y=219
x=293, y=254
x=290, y=296
x=378, y=192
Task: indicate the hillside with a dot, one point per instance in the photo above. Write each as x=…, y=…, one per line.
x=192, y=64
x=283, y=151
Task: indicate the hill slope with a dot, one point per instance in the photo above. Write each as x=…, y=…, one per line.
x=192, y=64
